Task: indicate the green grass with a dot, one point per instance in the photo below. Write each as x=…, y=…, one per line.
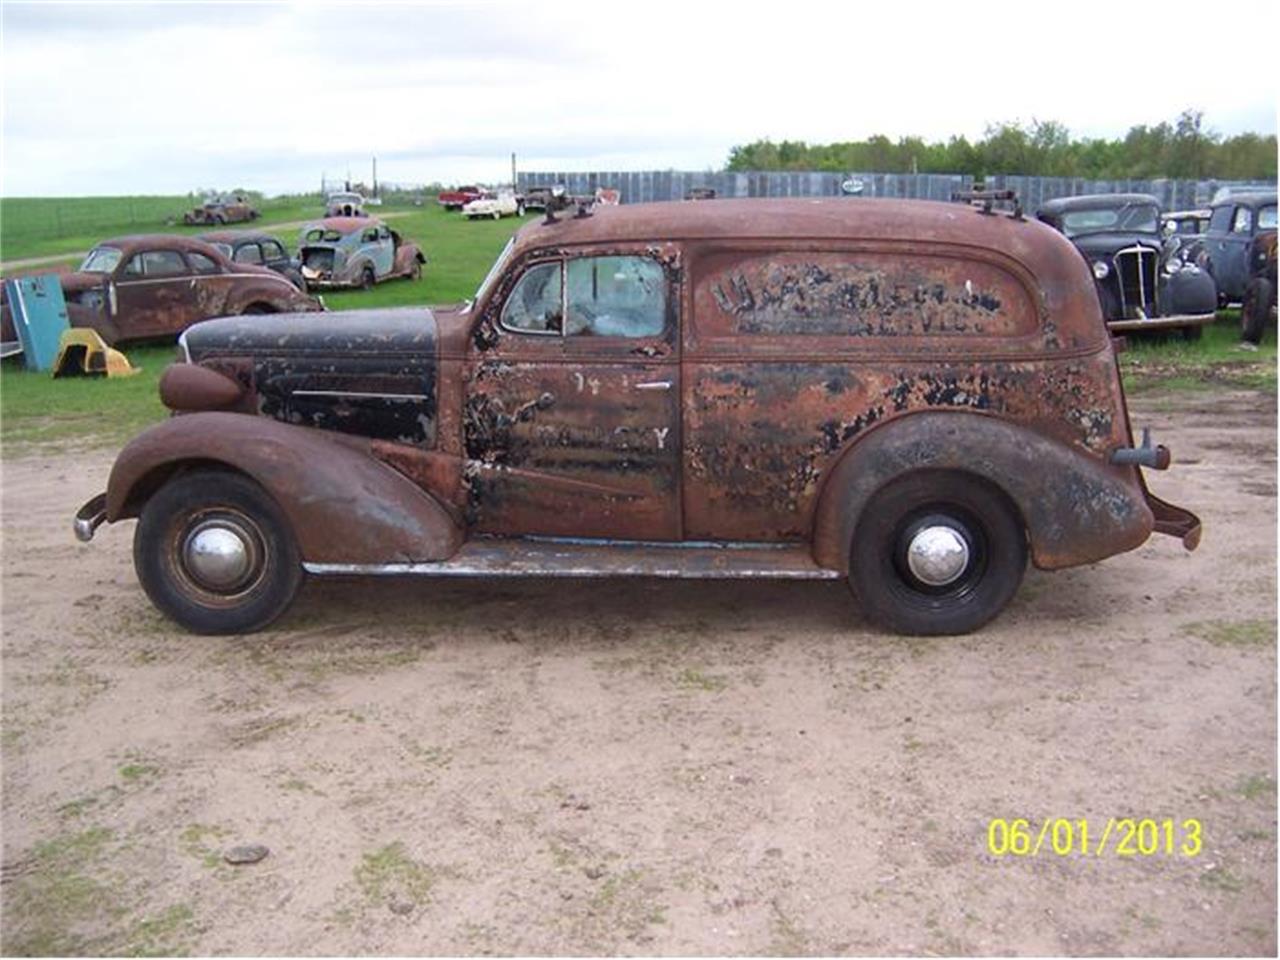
x=44, y=227
x=1169, y=363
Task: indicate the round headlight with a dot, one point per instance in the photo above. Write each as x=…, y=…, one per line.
x=1173, y=265
x=1100, y=269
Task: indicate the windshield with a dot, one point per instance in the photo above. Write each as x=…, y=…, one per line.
x=494, y=272
x=321, y=235
x=1130, y=218
x=103, y=260
x=1267, y=218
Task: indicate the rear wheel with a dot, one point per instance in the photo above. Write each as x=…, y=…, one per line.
x=1256, y=309
x=936, y=552
x=214, y=552
x=415, y=271
x=367, y=278
x=1192, y=333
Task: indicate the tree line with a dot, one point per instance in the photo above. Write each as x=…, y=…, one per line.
x=1184, y=148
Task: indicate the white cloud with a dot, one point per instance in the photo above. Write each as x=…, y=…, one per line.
x=167, y=97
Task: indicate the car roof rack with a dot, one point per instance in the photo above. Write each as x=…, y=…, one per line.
x=985, y=200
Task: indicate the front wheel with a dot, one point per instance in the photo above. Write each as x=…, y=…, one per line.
x=367, y=279
x=936, y=552
x=214, y=552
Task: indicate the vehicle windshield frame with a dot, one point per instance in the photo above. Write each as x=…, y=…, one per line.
x=491, y=277
x=86, y=268
x=1115, y=226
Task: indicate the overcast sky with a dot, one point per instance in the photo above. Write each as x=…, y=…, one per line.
x=118, y=98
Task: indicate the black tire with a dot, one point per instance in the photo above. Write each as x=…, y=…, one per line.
x=884, y=581
x=1256, y=310
x=222, y=501
x=256, y=309
x=415, y=271
x=367, y=278
x=1192, y=334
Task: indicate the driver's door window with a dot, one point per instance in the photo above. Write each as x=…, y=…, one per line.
x=599, y=296
x=535, y=304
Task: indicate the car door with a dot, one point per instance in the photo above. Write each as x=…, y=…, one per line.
x=1233, y=261
x=571, y=415
x=383, y=251
x=155, y=295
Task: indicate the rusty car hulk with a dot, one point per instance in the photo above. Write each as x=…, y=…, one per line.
x=154, y=286
x=912, y=395
x=346, y=252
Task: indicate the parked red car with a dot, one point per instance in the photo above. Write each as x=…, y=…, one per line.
x=459, y=198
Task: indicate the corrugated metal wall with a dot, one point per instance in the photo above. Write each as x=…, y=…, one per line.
x=657, y=185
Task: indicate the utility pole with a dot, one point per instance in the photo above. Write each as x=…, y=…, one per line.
x=513, y=169
x=375, y=176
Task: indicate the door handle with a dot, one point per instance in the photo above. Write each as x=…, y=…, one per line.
x=654, y=385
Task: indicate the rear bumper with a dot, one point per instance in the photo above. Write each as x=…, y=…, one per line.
x=90, y=517
x=1161, y=323
x=1174, y=521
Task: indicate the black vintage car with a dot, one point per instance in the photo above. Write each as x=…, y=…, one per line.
x=1235, y=221
x=1143, y=280
x=249, y=246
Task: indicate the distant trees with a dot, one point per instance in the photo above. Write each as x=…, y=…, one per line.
x=1182, y=149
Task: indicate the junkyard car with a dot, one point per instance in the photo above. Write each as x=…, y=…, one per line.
x=899, y=393
x=458, y=198
x=221, y=210
x=247, y=246
x=1233, y=224
x=547, y=198
x=344, y=205
x=355, y=252
x=152, y=286
x=504, y=204
x=1143, y=282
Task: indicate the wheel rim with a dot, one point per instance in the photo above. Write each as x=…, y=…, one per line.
x=940, y=553
x=219, y=555
x=937, y=555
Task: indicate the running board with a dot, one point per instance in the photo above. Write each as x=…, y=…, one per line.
x=575, y=558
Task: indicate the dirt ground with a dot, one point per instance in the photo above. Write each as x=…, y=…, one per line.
x=551, y=767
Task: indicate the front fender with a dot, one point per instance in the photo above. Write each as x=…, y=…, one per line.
x=1076, y=509
x=344, y=505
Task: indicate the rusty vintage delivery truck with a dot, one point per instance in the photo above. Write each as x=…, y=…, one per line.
x=918, y=397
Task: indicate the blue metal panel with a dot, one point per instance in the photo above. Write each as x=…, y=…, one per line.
x=39, y=317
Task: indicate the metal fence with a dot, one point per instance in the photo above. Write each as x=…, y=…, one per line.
x=658, y=185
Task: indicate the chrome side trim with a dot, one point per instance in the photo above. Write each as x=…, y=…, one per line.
x=446, y=568
x=358, y=393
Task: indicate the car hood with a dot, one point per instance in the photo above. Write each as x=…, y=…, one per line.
x=78, y=281
x=393, y=332
x=1105, y=244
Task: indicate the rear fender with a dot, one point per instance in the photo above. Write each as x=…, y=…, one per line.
x=1076, y=508
x=343, y=504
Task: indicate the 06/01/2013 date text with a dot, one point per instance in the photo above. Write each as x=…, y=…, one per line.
x=1119, y=836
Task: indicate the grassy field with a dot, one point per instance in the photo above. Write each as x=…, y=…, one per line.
x=35, y=408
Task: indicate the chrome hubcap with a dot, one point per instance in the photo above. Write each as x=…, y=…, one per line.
x=218, y=555
x=938, y=555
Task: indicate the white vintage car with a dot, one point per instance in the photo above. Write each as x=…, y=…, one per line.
x=504, y=204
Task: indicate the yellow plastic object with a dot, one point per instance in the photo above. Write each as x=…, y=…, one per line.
x=82, y=351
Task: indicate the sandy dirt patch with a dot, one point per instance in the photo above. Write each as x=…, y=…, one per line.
x=645, y=767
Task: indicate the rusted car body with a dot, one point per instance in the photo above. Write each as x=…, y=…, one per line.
x=1260, y=292
x=219, y=210
x=345, y=204
x=355, y=252
x=910, y=395
x=155, y=285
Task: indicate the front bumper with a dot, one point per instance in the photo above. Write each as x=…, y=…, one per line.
x=1161, y=323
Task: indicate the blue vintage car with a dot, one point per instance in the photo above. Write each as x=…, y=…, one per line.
x=1234, y=221
x=355, y=252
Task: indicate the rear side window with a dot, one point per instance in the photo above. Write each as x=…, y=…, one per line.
x=1243, y=222
x=200, y=263
x=272, y=250
x=1267, y=218
x=249, y=253
x=857, y=294
x=156, y=263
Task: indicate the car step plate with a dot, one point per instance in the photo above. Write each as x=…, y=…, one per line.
x=530, y=557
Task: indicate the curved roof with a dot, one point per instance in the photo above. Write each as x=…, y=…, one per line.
x=235, y=236
x=1095, y=201
x=345, y=224
x=1252, y=199
x=792, y=218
